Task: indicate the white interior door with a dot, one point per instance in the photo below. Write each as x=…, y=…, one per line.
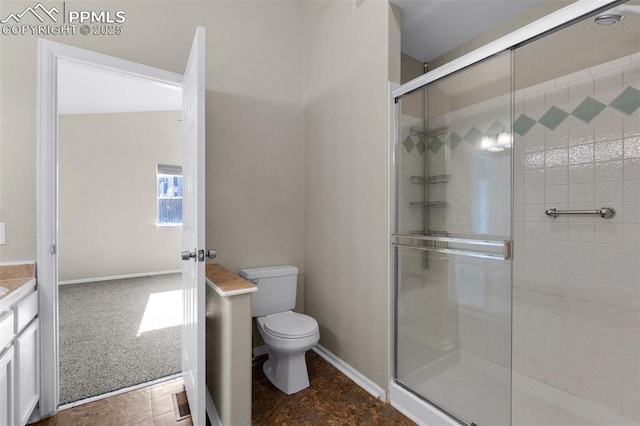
x=193, y=332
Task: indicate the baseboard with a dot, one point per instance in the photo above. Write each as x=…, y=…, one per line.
x=118, y=277
x=212, y=411
x=360, y=379
x=260, y=350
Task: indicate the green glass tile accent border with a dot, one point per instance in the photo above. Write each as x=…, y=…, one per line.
x=495, y=128
x=553, y=118
x=435, y=144
x=408, y=144
x=588, y=109
x=523, y=124
x=473, y=136
x=628, y=101
x=453, y=140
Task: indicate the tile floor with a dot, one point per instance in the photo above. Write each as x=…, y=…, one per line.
x=332, y=399
x=151, y=405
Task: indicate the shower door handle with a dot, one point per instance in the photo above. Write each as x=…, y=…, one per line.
x=506, y=245
x=507, y=250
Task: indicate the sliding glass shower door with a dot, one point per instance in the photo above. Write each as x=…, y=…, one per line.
x=452, y=243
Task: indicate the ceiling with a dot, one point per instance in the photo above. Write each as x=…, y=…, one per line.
x=431, y=28
x=86, y=89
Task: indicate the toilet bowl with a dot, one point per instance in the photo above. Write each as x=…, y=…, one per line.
x=287, y=334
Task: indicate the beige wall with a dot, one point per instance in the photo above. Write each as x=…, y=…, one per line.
x=412, y=104
x=538, y=11
x=254, y=119
x=410, y=68
x=107, y=193
x=346, y=235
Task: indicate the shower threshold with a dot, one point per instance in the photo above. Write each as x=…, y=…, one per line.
x=480, y=388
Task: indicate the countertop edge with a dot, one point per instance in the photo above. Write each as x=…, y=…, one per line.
x=14, y=295
x=17, y=262
x=230, y=293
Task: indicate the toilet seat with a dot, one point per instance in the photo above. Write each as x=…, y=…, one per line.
x=290, y=325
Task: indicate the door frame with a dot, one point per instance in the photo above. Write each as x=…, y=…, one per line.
x=49, y=53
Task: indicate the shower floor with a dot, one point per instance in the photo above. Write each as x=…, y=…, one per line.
x=470, y=387
x=478, y=391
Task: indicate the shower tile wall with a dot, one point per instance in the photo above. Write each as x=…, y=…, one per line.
x=577, y=279
x=478, y=194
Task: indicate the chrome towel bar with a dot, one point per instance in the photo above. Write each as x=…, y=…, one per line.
x=604, y=212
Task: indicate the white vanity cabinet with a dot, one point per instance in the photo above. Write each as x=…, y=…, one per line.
x=19, y=356
x=27, y=387
x=6, y=386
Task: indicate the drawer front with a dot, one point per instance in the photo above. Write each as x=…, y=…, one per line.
x=7, y=329
x=26, y=310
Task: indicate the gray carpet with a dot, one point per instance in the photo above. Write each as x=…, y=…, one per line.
x=100, y=350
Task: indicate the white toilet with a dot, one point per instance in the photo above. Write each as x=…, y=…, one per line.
x=287, y=334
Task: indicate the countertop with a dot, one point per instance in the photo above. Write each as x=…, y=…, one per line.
x=19, y=279
x=225, y=282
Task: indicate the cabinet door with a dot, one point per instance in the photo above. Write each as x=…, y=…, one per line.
x=6, y=387
x=27, y=372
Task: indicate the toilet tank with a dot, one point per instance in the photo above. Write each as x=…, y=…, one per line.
x=277, y=286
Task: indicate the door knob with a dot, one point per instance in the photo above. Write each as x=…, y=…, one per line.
x=198, y=255
x=188, y=255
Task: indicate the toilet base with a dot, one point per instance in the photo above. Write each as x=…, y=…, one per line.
x=287, y=372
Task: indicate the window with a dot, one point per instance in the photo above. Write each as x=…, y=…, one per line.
x=169, y=195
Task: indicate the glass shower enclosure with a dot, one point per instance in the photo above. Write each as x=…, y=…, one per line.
x=506, y=313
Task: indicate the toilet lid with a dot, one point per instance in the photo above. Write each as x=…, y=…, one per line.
x=289, y=325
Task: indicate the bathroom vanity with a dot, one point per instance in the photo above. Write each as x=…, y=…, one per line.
x=19, y=343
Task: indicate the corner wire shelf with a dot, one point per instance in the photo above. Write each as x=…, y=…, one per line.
x=429, y=180
x=429, y=204
x=437, y=131
x=417, y=132
x=429, y=133
x=432, y=244
x=439, y=244
x=431, y=233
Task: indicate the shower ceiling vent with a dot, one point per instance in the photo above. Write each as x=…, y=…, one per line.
x=615, y=15
x=608, y=19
